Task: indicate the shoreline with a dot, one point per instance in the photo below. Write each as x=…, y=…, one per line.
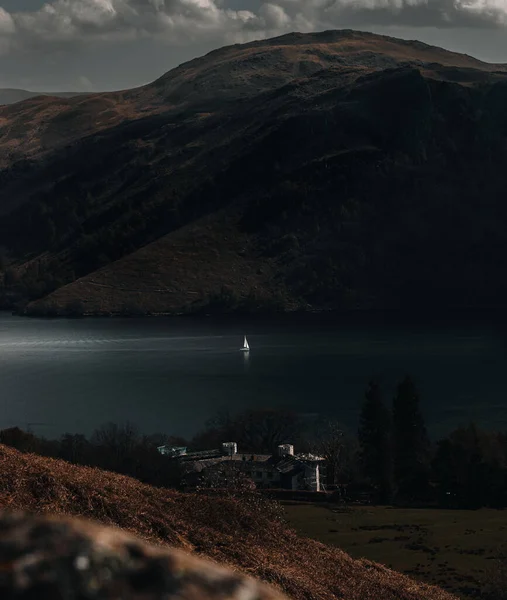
x=497, y=314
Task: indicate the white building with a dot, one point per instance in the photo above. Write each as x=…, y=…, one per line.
x=285, y=470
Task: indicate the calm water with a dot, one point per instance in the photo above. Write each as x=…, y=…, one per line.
x=170, y=375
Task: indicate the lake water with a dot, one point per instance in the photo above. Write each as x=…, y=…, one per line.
x=170, y=375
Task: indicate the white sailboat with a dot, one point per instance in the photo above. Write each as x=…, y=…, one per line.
x=246, y=347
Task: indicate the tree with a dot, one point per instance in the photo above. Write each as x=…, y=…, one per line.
x=263, y=430
x=260, y=430
x=470, y=469
x=3, y=259
x=11, y=277
x=330, y=443
x=411, y=443
x=19, y=439
x=163, y=439
x=116, y=445
x=375, y=441
x=74, y=448
x=218, y=429
x=150, y=466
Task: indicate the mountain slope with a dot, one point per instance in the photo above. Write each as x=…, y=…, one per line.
x=330, y=170
x=236, y=533
x=10, y=96
x=241, y=71
x=206, y=265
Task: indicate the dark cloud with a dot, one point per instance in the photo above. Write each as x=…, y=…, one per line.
x=188, y=21
x=428, y=13
x=79, y=42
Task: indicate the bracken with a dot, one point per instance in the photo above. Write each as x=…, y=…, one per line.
x=225, y=530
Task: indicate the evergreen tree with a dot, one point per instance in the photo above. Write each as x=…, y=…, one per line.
x=411, y=443
x=375, y=442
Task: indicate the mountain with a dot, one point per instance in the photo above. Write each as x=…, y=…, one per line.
x=244, y=533
x=332, y=170
x=10, y=96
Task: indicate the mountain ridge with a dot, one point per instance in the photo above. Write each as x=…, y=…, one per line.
x=346, y=173
x=13, y=95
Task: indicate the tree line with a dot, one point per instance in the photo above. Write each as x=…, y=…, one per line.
x=466, y=469
x=391, y=460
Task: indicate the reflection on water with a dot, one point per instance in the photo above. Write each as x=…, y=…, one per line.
x=172, y=374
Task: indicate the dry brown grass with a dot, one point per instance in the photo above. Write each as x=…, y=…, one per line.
x=181, y=269
x=227, y=530
x=45, y=123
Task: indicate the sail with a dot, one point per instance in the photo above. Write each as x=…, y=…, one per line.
x=245, y=344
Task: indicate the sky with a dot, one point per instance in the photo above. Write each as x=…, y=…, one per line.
x=95, y=45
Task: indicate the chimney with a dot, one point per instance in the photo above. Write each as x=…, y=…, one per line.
x=285, y=450
x=230, y=448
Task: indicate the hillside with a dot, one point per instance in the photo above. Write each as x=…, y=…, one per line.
x=232, y=532
x=48, y=557
x=332, y=170
x=10, y=96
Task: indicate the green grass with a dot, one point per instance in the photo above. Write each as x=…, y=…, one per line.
x=454, y=549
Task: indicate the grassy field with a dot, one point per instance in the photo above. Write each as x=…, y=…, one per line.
x=454, y=549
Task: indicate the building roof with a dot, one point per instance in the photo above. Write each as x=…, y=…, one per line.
x=251, y=457
x=286, y=465
x=207, y=458
x=191, y=456
x=309, y=457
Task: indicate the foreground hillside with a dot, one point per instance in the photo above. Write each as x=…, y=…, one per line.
x=312, y=171
x=233, y=532
x=48, y=557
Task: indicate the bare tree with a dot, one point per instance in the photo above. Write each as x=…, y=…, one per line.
x=259, y=430
x=376, y=442
x=117, y=443
x=74, y=448
x=162, y=439
x=329, y=442
x=264, y=430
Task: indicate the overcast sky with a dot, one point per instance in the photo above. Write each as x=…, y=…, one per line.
x=93, y=45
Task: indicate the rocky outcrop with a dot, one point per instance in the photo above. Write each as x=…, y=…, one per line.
x=62, y=558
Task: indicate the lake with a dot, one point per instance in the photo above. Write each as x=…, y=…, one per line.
x=171, y=374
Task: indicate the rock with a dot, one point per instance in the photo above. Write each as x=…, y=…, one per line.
x=61, y=558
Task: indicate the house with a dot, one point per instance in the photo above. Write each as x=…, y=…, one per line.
x=283, y=470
